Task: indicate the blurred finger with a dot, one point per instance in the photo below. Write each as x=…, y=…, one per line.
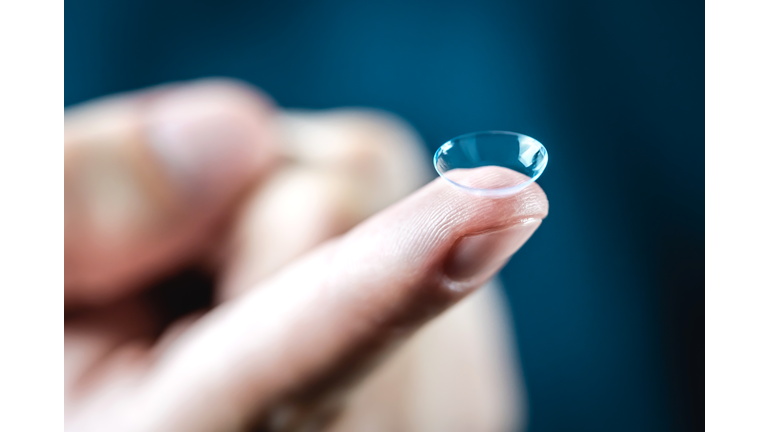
x=148, y=177
x=381, y=151
x=93, y=337
x=343, y=166
x=331, y=313
x=456, y=374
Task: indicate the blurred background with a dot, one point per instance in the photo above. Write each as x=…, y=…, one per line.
x=608, y=296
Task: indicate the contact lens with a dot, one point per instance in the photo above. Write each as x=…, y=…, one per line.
x=513, y=162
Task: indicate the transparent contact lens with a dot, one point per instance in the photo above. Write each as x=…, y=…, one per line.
x=491, y=163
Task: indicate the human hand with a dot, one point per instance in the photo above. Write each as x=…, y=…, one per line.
x=212, y=174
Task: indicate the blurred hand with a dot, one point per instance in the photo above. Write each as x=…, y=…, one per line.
x=308, y=299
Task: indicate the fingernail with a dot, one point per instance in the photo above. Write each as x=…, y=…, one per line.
x=205, y=144
x=481, y=255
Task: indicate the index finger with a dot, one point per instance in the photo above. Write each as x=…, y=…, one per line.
x=326, y=317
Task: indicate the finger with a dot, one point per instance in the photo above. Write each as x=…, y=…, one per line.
x=91, y=338
x=382, y=152
x=330, y=313
x=149, y=176
x=456, y=374
x=344, y=165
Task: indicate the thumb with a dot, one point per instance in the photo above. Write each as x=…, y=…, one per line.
x=149, y=176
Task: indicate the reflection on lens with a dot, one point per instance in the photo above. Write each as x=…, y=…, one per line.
x=512, y=161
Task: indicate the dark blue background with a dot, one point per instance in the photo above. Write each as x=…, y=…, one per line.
x=608, y=295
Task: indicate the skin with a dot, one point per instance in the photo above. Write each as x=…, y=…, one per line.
x=334, y=263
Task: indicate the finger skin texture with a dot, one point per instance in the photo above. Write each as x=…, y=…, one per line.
x=335, y=311
x=340, y=167
x=149, y=176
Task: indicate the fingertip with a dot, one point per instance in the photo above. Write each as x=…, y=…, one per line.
x=477, y=257
x=529, y=202
x=444, y=234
